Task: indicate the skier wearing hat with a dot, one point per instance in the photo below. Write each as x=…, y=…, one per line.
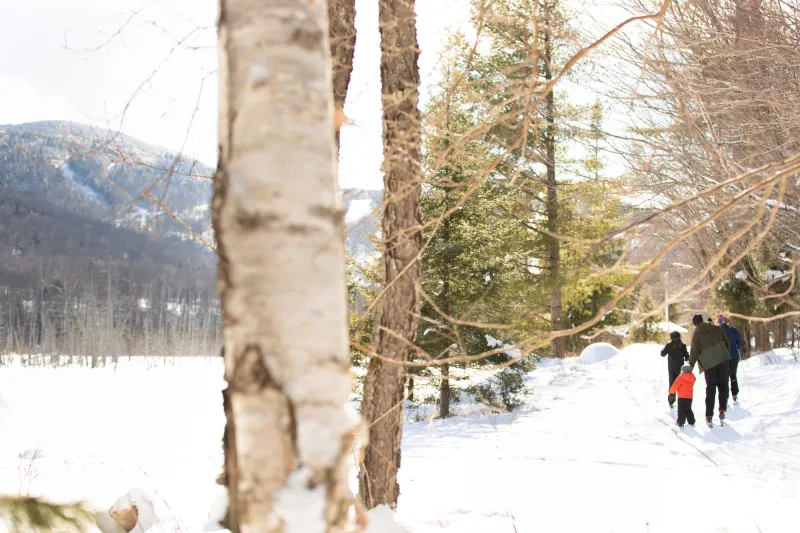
x=735, y=340
x=711, y=351
x=684, y=387
x=678, y=355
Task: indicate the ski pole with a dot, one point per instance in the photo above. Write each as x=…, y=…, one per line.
x=746, y=381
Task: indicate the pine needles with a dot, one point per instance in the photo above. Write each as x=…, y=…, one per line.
x=24, y=514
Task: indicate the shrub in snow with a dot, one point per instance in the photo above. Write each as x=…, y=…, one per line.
x=594, y=353
x=736, y=296
x=506, y=390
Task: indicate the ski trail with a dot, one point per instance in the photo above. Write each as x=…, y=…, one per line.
x=671, y=427
x=738, y=455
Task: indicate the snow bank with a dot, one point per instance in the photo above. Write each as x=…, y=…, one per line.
x=381, y=520
x=92, y=434
x=780, y=356
x=669, y=327
x=595, y=353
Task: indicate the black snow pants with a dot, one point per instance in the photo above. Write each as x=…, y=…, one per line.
x=673, y=375
x=717, y=379
x=685, y=413
x=734, y=365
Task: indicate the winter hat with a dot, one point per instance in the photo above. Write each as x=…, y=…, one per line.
x=675, y=336
x=686, y=369
x=722, y=320
x=697, y=320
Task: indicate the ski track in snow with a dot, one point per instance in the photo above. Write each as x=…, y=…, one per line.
x=595, y=450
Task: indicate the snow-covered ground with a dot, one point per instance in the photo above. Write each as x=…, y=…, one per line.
x=596, y=449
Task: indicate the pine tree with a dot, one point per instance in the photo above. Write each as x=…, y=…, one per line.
x=530, y=42
x=490, y=233
x=474, y=265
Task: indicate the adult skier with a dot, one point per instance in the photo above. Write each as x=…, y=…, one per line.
x=735, y=340
x=711, y=351
x=677, y=354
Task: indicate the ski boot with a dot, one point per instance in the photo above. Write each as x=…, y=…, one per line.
x=709, y=422
x=722, y=418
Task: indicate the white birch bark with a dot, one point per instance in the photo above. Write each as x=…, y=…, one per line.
x=278, y=223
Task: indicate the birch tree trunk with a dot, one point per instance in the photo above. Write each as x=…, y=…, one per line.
x=397, y=319
x=278, y=223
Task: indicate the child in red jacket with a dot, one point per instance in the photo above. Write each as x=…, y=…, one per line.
x=684, y=387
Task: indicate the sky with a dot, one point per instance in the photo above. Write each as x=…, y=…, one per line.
x=148, y=68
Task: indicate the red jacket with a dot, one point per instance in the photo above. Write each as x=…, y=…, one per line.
x=684, y=385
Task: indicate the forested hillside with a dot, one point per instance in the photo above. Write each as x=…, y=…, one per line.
x=106, y=244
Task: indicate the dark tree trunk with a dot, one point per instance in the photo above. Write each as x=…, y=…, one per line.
x=444, y=386
x=342, y=29
x=554, y=252
x=444, y=392
x=761, y=334
x=384, y=384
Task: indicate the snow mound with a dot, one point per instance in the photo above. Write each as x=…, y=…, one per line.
x=781, y=356
x=382, y=520
x=595, y=353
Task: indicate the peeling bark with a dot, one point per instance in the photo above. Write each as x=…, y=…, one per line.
x=281, y=273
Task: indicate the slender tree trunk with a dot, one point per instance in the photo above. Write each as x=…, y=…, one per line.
x=444, y=391
x=783, y=334
x=761, y=334
x=554, y=252
x=342, y=24
x=444, y=386
x=747, y=334
x=277, y=219
x=397, y=320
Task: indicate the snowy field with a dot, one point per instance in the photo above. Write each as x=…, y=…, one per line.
x=595, y=450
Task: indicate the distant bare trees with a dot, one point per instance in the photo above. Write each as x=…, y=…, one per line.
x=109, y=315
x=717, y=128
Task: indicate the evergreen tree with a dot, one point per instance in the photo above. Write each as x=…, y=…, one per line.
x=26, y=514
x=557, y=199
x=474, y=264
x=505, y=236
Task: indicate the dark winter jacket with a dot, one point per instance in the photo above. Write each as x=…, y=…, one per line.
x=678, y=355
x=734, y=339
x=710, y=347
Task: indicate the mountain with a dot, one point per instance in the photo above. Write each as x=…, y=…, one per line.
x=105, y=175
x=69, y=189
